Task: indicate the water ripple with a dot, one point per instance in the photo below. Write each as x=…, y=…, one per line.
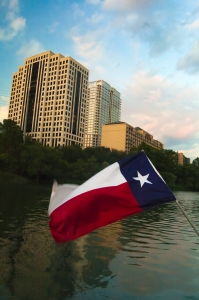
x=148, y=256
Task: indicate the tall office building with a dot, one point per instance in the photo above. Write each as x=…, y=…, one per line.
x=104, y=106
x=48, y=99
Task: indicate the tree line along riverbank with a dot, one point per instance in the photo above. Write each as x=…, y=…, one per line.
x=72, y=164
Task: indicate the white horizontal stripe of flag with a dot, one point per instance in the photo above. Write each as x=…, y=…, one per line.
x=111, y=176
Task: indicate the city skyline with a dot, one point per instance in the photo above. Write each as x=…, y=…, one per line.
x=148, y=50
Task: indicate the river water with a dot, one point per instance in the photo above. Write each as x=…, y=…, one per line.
x=151, y=255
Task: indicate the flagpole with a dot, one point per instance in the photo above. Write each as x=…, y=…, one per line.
x=187, y=217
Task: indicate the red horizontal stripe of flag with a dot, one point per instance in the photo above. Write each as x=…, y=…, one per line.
x=91, y=210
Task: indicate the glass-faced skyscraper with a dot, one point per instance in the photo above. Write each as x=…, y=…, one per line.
x=103, y=106
x=48, y=99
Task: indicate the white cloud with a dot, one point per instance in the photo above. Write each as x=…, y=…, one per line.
x=13, y=5
x=32, y=48
x=190, y=62
x=99, y=70
x=93, y=1
x=154, y=95
x=96, y=18
x=126, y=5
x=53, y=27
x=18, y=24
x=98, y=73
x=14, y=23
x=166, y=110
x=147, y=20
x=4, y=98
x=3, y=113
x=192, y=153
x=88, y=46
x=78, y=12
x=194, y=25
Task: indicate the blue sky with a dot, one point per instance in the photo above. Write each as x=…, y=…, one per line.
x=147, y=49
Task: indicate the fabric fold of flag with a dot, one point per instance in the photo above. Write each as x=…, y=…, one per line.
x=124, y=188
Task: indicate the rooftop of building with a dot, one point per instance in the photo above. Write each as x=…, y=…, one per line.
x=118, y=122
x=52, y=54
x=103, y=83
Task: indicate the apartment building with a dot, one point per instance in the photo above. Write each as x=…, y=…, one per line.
x=48, y=99
x=104, y=106
x=181, y=159
x=122, y=136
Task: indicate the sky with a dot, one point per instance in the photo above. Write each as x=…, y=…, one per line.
x=148, y=50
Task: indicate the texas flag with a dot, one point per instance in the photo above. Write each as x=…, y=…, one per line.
x=124, y=188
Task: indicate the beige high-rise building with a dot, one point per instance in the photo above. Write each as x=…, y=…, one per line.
x=181, y=159
x=104, y=106
x=122, y=136
x=48, y=99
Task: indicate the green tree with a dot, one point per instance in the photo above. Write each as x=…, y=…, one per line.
x=104, y=165
x=150, y=151
x=170, y=179
x=40, y=162
x=11, y=141
x=187, y=177
x=195, y=162
x=72, y=153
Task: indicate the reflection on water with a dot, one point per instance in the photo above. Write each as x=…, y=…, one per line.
x=152, y=255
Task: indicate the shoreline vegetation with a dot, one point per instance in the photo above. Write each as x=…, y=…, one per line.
x=31, y=162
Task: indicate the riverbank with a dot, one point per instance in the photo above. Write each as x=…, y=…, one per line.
x=12, y=178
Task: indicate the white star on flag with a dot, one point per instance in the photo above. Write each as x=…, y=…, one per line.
x=142, y=179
